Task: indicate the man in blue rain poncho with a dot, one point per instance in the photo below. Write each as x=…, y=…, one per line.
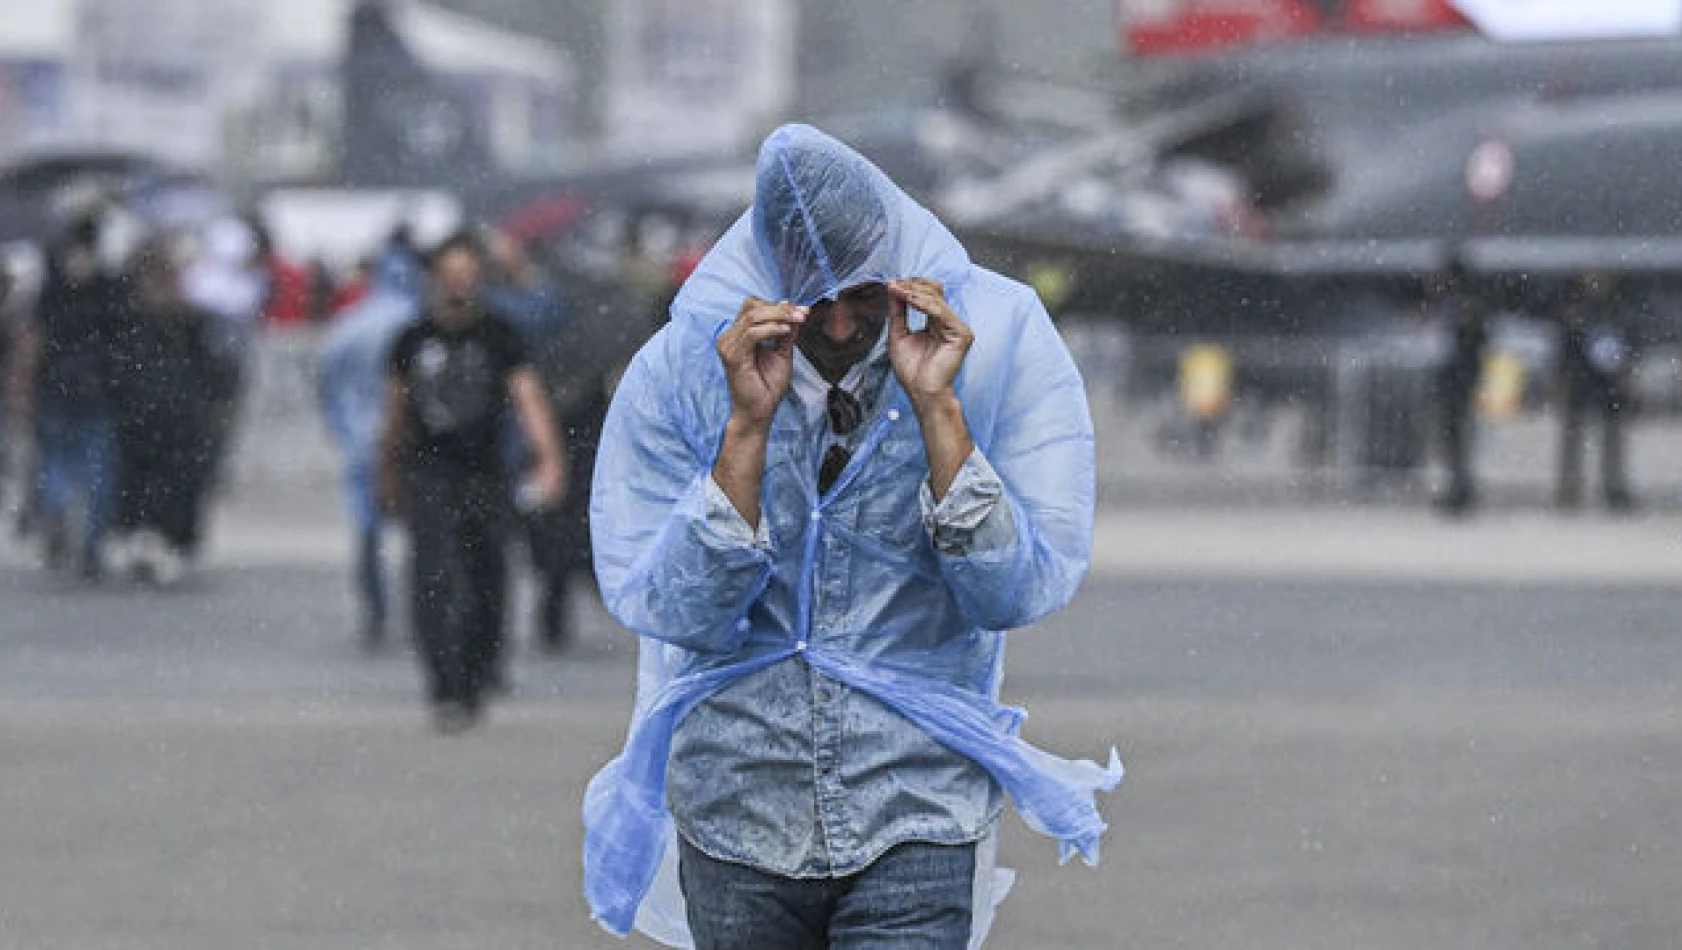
x=351, y=393
x=849, y=463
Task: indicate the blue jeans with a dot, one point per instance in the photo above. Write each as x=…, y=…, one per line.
x=77, y=452
x=363, y=497
x=914, y=897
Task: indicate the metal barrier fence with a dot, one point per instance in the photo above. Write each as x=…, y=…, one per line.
x=1332, y=420
x=1361, y=407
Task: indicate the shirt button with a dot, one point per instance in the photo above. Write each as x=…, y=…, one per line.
x=893, y=415
x=743, y=624
x=817, y=515
x=800, y=646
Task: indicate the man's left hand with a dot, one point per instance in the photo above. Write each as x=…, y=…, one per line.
x=927, y=361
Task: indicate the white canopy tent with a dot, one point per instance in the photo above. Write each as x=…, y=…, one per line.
x=36, y=29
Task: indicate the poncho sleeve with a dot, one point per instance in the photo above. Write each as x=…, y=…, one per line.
x=1041, y=445
x=668, y=570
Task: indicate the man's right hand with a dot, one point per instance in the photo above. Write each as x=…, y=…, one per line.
x=758, y=356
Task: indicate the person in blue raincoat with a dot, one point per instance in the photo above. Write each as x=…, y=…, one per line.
x=826, y=488
x=351, y=393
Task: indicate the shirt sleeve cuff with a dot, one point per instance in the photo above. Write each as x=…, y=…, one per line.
x=728, y=523
x=970, y=517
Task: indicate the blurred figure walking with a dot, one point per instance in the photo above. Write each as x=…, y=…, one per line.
x=351, y=393
x=226, y=282
x=1596, y=355
x=452, y=380
x=288, y=305
x=66, y=359
x=1465, y=319
x=166, y=384
x=524, y=295
x=8, y=388
x=20, y=285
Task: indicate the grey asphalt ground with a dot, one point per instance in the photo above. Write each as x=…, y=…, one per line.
x=1345, y=728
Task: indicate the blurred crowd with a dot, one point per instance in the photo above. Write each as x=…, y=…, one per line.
x=124, y=374
x=127, y=365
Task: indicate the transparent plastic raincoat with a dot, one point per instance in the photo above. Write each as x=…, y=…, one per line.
x=928, y=638
x=351, y=379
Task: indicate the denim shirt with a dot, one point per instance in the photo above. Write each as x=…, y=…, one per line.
x=791, y=771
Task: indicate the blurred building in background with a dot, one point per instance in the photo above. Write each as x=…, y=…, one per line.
x=251, y=90
x=520, y=92
x=835, y=57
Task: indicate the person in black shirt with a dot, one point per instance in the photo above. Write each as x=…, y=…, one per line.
x=165, y=387
x=67, y=358
x=7, y=285
x=453, y=379
x=1466, y=320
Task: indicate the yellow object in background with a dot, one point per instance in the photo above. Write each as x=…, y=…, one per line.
x=1206, y=381
x=1501, y=386
x=1053, y=282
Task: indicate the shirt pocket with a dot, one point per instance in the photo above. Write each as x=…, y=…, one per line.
x=784, y=493
x=890, y=513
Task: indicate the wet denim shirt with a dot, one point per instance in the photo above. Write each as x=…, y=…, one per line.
x=791, y=771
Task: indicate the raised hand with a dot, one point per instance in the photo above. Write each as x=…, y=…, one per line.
x=927, y=361
x=758, y=356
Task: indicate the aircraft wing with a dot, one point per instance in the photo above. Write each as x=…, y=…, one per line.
x=1305, y=288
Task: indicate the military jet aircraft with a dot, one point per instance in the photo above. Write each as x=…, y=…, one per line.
x=1372, y=159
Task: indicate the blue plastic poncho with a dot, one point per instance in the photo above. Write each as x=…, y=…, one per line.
x=351, y=379
x=927, y=638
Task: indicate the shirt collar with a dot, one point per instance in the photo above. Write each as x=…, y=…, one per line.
x=812, y=389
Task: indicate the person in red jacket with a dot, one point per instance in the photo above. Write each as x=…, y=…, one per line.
x=288, y=302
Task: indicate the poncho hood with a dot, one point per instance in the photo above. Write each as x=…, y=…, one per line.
x=823, y=219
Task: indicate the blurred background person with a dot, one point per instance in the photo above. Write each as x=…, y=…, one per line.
x=582, y=329
x=67, y=358
x=1465, y=321
x=17, y=445
x=1596, y=354
x=323, y=286
x=455, y=377
x=526, y=296
x=226, y=281
x=351, y=395
x=8, y=332
x=289, y=301
x=400, y=261
x=165, y=389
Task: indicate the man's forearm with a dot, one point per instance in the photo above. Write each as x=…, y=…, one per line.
x=393, y=431
x=946, y=439
x=20, y=378
x=740, y=469
x=538, y=422
x=388, y=455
